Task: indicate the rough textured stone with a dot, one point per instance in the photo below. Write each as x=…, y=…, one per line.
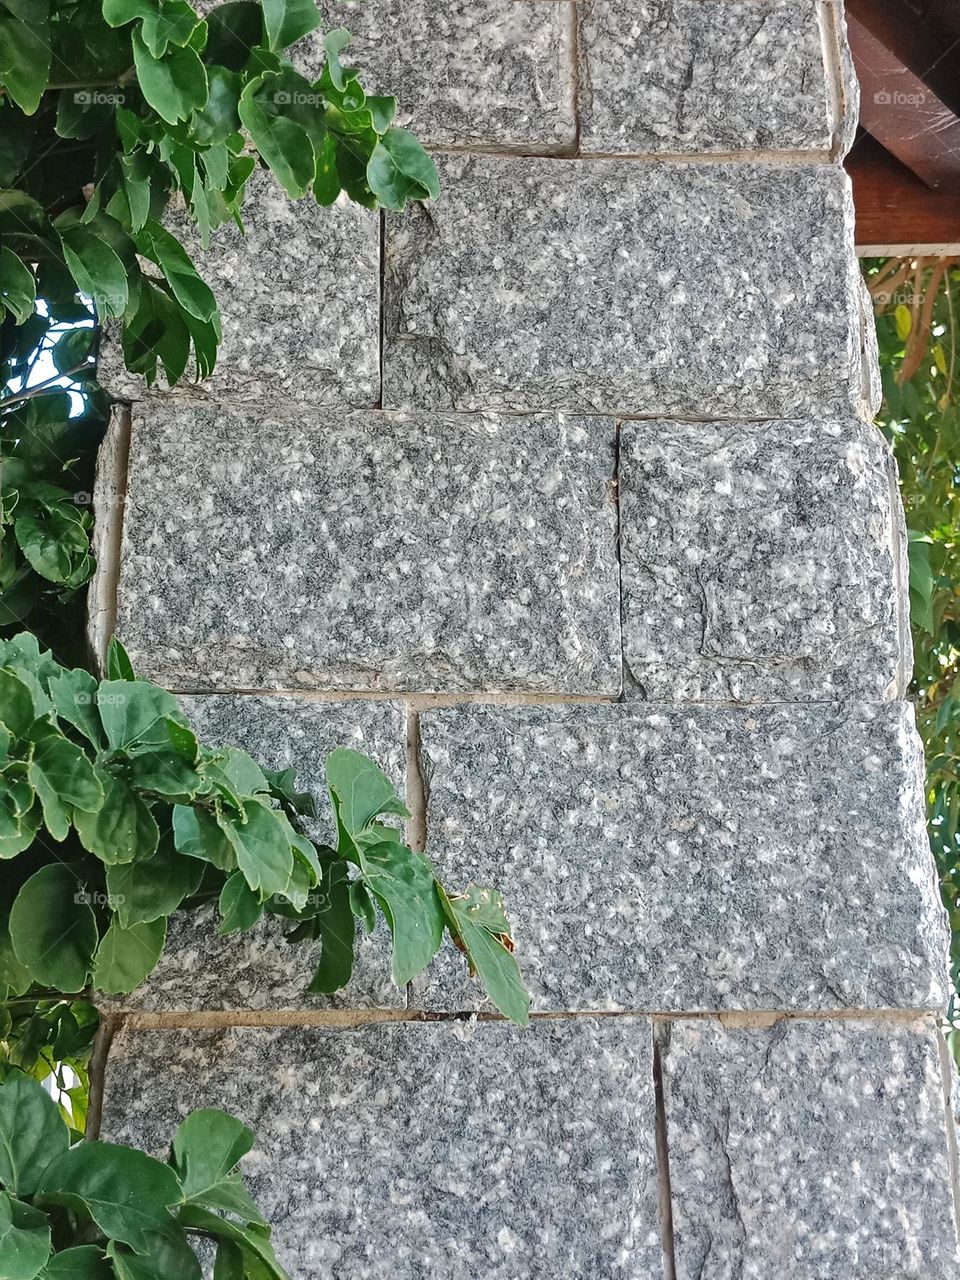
x=808, y=1151
x=299, y=297
x=758, y=561
x=726, y=290
x=370, y=551
x=449, y=1150
x=466, y=72
x=258, y=970
x=692, y=858
x=703, y=76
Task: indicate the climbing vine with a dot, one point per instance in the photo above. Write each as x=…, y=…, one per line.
x=113, y=814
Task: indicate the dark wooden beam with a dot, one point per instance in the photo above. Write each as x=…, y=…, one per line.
x=910, y=88
x=896, y=211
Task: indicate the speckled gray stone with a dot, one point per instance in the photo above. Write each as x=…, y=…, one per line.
x=370, y=551
x=450, y=1151
x=692, y=858
x=758, y=561
x=299, y=297
x=808, y=1151
x=258, y=969
x=496, y=73
x=690, y=290
x=703, y=76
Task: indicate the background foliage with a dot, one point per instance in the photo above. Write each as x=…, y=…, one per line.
x=917, y=303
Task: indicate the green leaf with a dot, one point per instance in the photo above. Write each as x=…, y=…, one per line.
x=134, y=714
x=85, y=1262
x=118, y=12
x=25, y=54
x=53, y=929
x=98, y=271
x=18, y=286
x=334, y=42
x=126, y=1193
x=174, y=85
x=14, y=977
x=24, y=1239
x=252, y=1241
x=207, y=1148
x=168, y=1257
x=263, y=850
x=240, y=908
x=173, y=22
x=119, y=666
x=154, y=887
x=62, y=775
x=400, y=170
x=334, y=925
x=197, y=834
x=74, y=697
x=73, y=349
x=126, y=956
x=173, y=260
x=479, y=925
x=283, y=145
x=16, y=703
x=287, y=21
x=32, y=1133
x=402, y=882
x=360, y=790
x=122, y=829
x=361, y=904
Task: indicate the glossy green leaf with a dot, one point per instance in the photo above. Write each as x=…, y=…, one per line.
x=25, y=53
x=24, y=1239
x=123, y=828
x=32, y=1133
x=126, y=956
x=361, y=790
x=400, y=170
x=197, y=834
x=134, y=714
x=251, y=1240
x=240, y=908
x=126, y=1193
x=154, y=887
x=18, y=286
x=478, y=923
x=287, y=21
x=207, y=1148
x=174, y=85
x=84, y=1262
x=119, y=666
x=402, y=882
x=62, y=775
x=263, y=850
x=53, y=928
x=97, y=270
x=333, y=924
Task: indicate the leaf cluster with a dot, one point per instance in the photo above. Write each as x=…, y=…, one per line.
x=101, y=1211
x=109, y=109
x=113, y=815
x=919, y=336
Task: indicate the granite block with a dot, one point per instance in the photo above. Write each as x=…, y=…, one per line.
x=200, y=970
x=758, y=561
x=467, y=73
x=696, y=858
x=703, y=76
x=808, y=1151
x=370, y=551
x=299, y=297
x=675, y=289
x=405, y=1150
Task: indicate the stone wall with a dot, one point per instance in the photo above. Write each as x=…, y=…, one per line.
x=560, y=498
